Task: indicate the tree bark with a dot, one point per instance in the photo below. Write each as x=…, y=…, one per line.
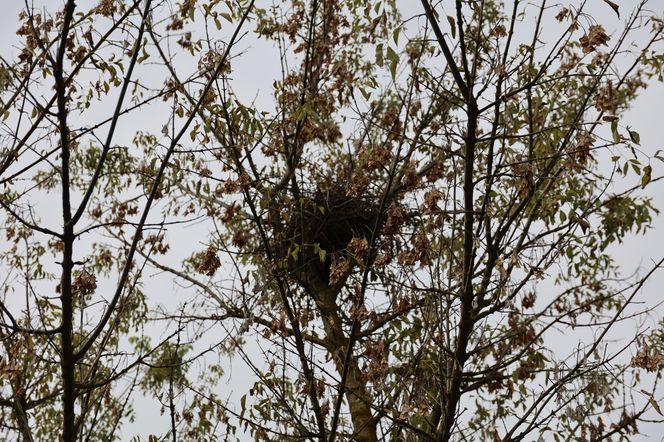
x=67, y=359
x=359, y=398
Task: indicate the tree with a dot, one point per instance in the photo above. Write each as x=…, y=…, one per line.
x=391, y=241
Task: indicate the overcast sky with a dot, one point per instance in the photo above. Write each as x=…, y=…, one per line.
x=252, y=77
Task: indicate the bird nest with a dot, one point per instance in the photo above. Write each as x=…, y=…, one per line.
x=319, y=226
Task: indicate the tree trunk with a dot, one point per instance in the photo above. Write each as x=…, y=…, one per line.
x=359, y=398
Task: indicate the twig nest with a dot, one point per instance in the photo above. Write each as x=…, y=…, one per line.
x=321, y=224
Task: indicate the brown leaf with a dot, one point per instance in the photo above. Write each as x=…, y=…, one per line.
x=652, y=401
x=208, y=262
x=596, y=36
x=338, y=269
x=647, y=358
x=614, y=6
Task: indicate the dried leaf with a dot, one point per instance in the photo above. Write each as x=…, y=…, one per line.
x=647, y=358
x=652, y=401
x=452, y=25
x=207, y=262
x=614, y=6
x=596, y=36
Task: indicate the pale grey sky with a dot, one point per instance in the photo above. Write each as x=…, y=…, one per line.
x=253, y=75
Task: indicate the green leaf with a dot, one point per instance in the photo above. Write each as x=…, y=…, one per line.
x=614, y=131
x=243, y=405
x=634, y=136
x=646, y=177
x=144, y=56
x=394, y=61
x=364, y=93
x=655, y=405
x=295, y=252
x=194, y=132
x=379, y=55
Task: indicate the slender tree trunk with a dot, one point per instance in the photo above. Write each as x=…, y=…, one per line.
x=359, y=398
x=67, y=359
x=466, y=321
